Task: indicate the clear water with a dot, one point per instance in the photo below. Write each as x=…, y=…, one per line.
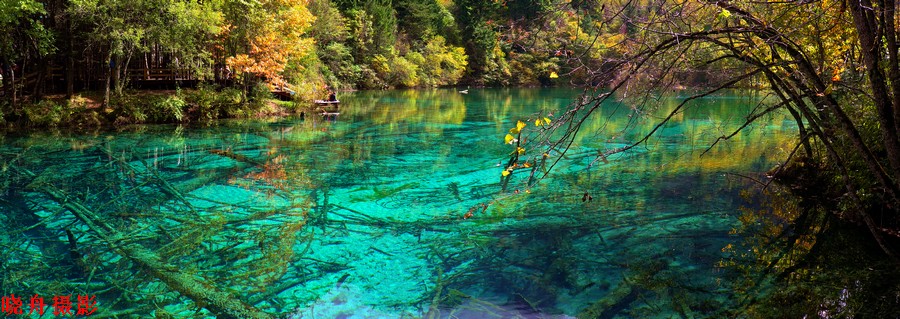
x=365, y=215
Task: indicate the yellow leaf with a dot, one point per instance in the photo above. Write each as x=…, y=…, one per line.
x=505, y=173
x=521, y=150
x=514, y=131
x=520, y=125
x=526, y=165
x=553, y=75
x=537, y=122
x=546, y=121
x=508, y=139
x=725, y=13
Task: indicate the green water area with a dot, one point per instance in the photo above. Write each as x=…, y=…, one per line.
x=392, y=209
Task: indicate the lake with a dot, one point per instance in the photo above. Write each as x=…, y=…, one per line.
x=392, y=209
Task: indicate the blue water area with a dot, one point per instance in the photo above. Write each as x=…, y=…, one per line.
x=396, y=208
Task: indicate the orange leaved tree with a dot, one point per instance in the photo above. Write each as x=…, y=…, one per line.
x=264, y=36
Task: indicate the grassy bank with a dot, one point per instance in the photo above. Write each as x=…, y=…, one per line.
x=202, y=104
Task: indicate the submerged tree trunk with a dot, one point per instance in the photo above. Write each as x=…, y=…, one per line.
x=222, y=304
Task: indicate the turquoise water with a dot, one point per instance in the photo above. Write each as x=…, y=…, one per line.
x=392, y=209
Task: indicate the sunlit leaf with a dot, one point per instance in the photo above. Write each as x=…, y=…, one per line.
x=553, y=75
x=521, y=150
x=508, y=139
x=725, y=13
x=514, y=131
x=505, y=173
x=520, y=125
x=542, y=122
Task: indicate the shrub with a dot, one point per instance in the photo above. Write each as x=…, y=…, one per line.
x=46, y=113
x=443, y=64
x=203, y=103
x=167, y=109
x=338, y=59
x=403, y=73
x=129, y=109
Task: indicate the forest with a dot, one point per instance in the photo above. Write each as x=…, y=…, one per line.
x=113, y=48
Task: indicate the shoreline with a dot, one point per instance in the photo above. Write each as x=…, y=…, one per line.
x=144, y=107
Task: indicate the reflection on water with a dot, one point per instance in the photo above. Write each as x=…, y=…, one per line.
x=392, y=210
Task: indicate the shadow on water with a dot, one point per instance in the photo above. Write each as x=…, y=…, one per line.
x=808, y=262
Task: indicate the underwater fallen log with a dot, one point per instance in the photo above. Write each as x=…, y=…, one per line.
x=237, y=157
x=222, y=304
x=613, y=303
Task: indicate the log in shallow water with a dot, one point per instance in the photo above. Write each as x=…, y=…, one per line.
x=220, y=303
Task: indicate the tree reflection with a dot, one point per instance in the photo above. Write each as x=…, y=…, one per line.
x=808, y=262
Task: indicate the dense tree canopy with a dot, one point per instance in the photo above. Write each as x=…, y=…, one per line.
x=111, y=46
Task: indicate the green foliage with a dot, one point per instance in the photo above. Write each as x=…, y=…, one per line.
x=259, y=94
x=193, y=30
x=523, y=70
x=22, y=29
x=403, y=72
x=130, y=109
x=368, y=78
x=46, y=113
x=81, y=115
x=306, y=77
x=338, y=60
x=167, y=109
x=384, y=24
x=382, y=67
x=440, y=64
x=204, y=103
x=528, y=70
x=529, y=10
x=423, y=19
x=330, y=26
x=304, y=45
x=362, y=38
x=495, y=68
x=476, y=21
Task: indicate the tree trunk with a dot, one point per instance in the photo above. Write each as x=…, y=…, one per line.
x=865, y=20
x=41, y=80
x=12, y=83
x=117, y=75
x=108, y=79
x=70, y=62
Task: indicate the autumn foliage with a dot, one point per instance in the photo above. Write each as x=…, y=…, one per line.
x=275, y=36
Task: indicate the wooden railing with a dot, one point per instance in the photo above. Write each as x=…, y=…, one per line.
x=158, y=74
